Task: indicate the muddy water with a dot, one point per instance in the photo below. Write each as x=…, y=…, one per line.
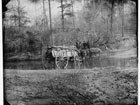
x=89, y=63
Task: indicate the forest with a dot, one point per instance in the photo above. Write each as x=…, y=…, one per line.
x=102, y=23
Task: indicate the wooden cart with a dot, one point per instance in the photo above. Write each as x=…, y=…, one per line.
x=61, y=56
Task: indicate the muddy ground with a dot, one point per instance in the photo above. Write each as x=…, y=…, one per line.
x=98, y=86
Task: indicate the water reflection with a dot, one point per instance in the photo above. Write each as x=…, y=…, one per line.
x=89, y=63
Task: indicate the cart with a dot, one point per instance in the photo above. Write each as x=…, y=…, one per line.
x=61, y=55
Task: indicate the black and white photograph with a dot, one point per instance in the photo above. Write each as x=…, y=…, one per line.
x=70, y=52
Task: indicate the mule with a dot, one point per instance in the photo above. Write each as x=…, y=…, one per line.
x=95, y=51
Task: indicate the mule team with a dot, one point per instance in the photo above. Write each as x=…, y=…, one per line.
x=86, y=51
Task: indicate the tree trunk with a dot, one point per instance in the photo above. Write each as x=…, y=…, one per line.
x=122, y=18
x=45, y=16
x=62, y=14
x=51, y=39
x=19, y=25
x=15, y=20
x=136, y=12
x=42, y=42
x=73, y=14
x=111, y=21
x=19, y=21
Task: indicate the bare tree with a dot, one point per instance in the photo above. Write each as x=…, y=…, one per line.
x=50, y=21
x=73, y=13
x=62, y=14
x=45, y=19
x=18, y=1
x=122, y=18
x=111, y=21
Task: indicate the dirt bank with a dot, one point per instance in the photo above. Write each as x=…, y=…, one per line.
x=106, y=86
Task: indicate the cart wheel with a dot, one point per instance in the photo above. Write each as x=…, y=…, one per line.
x=61, y=62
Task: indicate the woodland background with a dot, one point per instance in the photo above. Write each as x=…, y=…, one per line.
x=103, y=23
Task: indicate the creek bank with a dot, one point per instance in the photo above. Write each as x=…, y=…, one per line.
x=98, y=86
